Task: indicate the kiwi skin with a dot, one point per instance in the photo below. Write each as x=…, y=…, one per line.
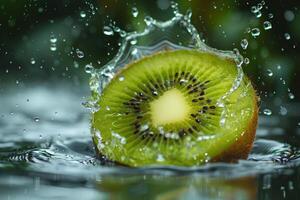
x=242, y=147
x=236, y=151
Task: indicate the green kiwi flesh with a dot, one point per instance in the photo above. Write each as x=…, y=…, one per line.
x=166, y=109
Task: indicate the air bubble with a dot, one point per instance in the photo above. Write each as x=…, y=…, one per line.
x=108, y=30
x=267, y=112
x=267, y=25
x=287, y=36
x=244, y=43
x=134, y=12
x=255, y=32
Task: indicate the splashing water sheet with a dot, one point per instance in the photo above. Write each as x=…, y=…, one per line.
x=46, y=149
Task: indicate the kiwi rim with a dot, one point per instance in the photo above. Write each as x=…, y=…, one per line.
x=236, y=150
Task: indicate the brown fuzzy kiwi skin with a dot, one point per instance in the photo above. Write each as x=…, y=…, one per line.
x=238, y=150
x=242, y=147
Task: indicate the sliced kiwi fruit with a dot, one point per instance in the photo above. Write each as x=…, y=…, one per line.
x=174, y=108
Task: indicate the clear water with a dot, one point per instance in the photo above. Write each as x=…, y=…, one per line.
x=46, y=152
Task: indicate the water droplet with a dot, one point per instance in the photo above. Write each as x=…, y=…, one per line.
x=269, y=72
x=255, y=32
x=267, y=112
x=246, y=61
x=287, y=36
x=289, y=15
x=107, y=30
x=283, y=111
x=258, y=14
x=79, y=53
x=53, y=47
x=121, y=78
x=32, y=61
x=270, y=15
x=160, y=158
x=89, y=68
x=267, y=25
x=36, y=119
x=53, y=39
x=82, y=14
x=291, y=95
x=134, y=12
x=244, y=43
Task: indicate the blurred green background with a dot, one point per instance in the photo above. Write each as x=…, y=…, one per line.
x=40, y=40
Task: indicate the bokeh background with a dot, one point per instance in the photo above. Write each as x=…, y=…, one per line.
x=40, y=40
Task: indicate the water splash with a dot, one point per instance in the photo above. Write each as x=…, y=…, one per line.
x=176, y=33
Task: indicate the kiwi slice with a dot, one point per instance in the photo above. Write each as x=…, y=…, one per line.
x=166, y=109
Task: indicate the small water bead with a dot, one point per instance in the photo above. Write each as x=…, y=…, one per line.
x=53, y=39
x=267, y=25
x=134, y=12
x=289, y=15
x=255, y=32
x=283, y=111
x=36, y=119
x=246, y=61
x=271, y=16
x=53, y=47
x=267, y=112
x=160, y=158
x=32, y=61
x=244, y=43
x=287, y=36
x=82, y=14
x=89, y=68
x=121, y=78
x=269, y=72
x=107, y=30
x=291, y=95
x=79, y=53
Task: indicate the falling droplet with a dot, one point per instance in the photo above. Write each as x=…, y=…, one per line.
x=36, y=119
x=53, y=47
x=134, y=12
x=32, y=61
x=82, y=14
x=269, y=72
x=267, y=112
x=283, y=111
x=108, y=30
x=79, y=53
x=255, y=32
x=291, y=95
x=246, y=61
x=244, y=43
x=267, y=25
x=89, y=68
x=287, y=36
x=270, y=15
x=53, y=39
